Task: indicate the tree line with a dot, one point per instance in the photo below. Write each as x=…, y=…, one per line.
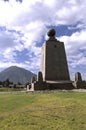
x=8, y=83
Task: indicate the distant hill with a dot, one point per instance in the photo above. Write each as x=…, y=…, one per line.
x=16, y=74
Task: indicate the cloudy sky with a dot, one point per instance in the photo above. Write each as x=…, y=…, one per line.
x=23, y=28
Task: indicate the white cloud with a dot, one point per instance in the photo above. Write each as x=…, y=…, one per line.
x=9, y=42
x=53, y=11
x=75, y=43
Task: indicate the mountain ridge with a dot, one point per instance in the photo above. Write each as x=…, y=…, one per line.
x=16, y=75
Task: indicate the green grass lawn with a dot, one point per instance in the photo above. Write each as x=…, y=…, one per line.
x=46, y=111
x=4, y=89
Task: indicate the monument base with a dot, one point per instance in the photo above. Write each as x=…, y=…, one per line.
x=51, y=85
x=79, y=84
x=40, y=84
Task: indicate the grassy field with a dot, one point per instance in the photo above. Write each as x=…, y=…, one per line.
x=43, y=111
x=3, y=89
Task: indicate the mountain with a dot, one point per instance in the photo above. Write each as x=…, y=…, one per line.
x=16, y=74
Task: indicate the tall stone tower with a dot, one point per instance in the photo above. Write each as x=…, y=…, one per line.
x=53, y=61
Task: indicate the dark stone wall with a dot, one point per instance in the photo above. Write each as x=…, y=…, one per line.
x=55, y=86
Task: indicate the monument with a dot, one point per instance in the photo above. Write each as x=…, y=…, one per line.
x=54, y=73
x=53, y=61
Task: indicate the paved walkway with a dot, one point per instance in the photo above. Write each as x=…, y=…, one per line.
x=45, y=91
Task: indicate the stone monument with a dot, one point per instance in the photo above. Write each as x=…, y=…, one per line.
x=54, y=73
x=53, y=61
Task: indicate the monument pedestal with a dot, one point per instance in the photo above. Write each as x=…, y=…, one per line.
x=51, y=85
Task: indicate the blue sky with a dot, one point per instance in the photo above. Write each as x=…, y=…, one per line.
x=23, y=28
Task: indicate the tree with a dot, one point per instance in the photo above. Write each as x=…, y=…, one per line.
x=6, y=83
x=19, y=83
x=0, y=82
